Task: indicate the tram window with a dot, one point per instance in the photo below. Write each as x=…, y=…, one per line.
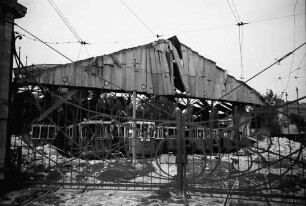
x=144, y=128
x=83, y=132
x=43, y=131
x=151, y=132
x=171, y=133
x=200, y=134
x=229, y=134
x=87, y=131
x=51, y=132
x=138, y=130
x=126, y=132
x=35, y=132
x=187, y=133
x=98, y=132
x=160, y=133
x=120, y=131
x=107, y=132
x=69, y=132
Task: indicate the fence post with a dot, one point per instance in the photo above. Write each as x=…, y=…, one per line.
x=180, y=159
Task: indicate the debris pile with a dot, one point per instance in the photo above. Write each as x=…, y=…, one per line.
x=45, y=155
x=276, y=147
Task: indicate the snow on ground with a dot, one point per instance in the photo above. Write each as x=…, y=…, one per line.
x=67, y=197
x=48, y=156
x=281, y=146
x=270, y=150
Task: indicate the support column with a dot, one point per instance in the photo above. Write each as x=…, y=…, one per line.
x=241, y=121
x=180, y=159
x=134, y=134
x=9, y=10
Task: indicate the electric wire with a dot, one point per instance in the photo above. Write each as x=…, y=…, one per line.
x=292, y=60
x=232, y=25
x=48, y=42
x=234, y=14
x=257, y=74
x=273, y=18
x=143, y=23
x=86, y=70
x=236, y=11
x=254, y=76
x=240, y=34
x=65, y=21
x=43, y=42
x=61, y=15
x=172, y=33
x=241, y=51
x=299, y=66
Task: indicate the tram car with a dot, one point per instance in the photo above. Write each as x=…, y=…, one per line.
x=199, y=139
x=95, y=138
x=98, y=138
x=145, y=141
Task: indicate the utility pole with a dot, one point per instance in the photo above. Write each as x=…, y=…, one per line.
x=298, y=105
x=288, y=122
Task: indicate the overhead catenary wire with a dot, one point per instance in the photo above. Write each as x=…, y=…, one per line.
x=70, y=27
x=232, y=25
x=236, y=16
x=143, y=23
x=65, y=20
x=86, y=70
x=299, y=66
x=259, y=73
x=236, y=11
x=254, y=76
x=48, y=42
x=172, y=33
x=43, y=42
x=274, y=18
x=292, y=60
x=240, y=33
x=241, y=51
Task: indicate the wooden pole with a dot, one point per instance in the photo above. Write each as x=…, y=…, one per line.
x=298, y=107
x=134, y=134
x=288, y=122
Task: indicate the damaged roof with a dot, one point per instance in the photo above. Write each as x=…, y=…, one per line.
x=164, y=67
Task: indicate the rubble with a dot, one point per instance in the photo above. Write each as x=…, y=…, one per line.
x=275, y=147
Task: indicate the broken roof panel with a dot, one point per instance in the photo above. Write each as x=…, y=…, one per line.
x=165, y=67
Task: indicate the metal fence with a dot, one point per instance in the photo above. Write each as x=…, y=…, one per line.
x=81, y=138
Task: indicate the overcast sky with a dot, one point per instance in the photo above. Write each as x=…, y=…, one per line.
x=206, y=26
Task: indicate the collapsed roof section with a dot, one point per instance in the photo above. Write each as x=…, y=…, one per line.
x=165, y=67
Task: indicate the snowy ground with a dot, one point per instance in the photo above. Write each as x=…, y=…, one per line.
x=113, y=197
x=275, y=157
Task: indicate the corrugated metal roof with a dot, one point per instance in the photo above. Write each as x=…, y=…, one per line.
x=164, y=67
